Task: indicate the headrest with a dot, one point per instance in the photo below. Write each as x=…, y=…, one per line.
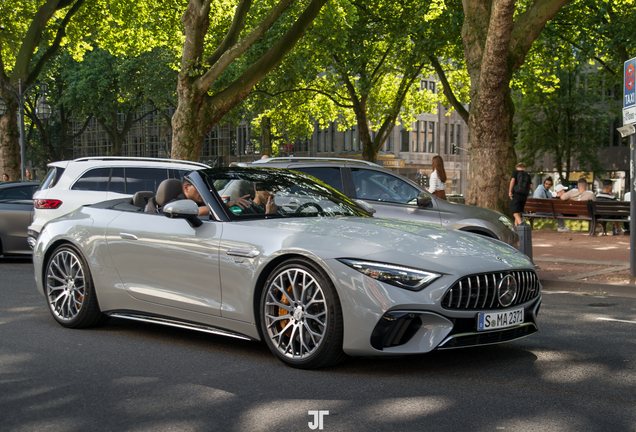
x=140, y=199
x=168, y=190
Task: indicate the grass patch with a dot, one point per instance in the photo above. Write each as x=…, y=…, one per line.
x=574, y=225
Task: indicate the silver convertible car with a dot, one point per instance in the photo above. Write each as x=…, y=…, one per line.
x=293, y=263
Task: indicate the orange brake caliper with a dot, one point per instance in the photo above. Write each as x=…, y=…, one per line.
x=283, y=311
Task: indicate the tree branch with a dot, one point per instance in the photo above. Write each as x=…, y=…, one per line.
x=238, y=23
x=50, y=52
x=448, y=91
x=232, y=53
x=33, y=37
x=322, y=92
x=528, y=27
x=241, y=87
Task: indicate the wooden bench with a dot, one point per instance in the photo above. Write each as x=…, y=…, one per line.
x=557, y=209
x=608, y=211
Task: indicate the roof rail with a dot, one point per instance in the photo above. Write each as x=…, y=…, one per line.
x=311, y=159
x=145, y=159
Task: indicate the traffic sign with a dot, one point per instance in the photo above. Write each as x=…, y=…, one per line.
x=629, y=92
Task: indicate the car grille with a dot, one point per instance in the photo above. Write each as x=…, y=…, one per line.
x=480, y=291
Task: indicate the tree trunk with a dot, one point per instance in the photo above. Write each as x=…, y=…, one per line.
x=266, y=137
x=492, y=157
x=495, y=45
x=10, y=141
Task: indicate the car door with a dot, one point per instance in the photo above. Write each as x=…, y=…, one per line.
x=16, y=214
x=391, y=196
x=167, y=261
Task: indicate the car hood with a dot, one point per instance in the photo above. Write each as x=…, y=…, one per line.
x=401, y=242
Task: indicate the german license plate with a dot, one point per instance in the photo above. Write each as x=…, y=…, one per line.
x=496, y=320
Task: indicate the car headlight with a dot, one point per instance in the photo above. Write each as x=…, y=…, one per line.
x=402, y=277
x=507, y=222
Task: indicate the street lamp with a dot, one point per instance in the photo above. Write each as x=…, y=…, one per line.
x=42, y=110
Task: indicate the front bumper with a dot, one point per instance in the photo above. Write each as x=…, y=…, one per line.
x=398, y=331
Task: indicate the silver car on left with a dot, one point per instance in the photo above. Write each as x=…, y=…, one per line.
x=294, y=263
x=16, y=214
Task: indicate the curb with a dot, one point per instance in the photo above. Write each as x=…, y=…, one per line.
x=589, y=287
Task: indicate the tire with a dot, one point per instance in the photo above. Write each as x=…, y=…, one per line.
x=69, y=289
x=301, y=316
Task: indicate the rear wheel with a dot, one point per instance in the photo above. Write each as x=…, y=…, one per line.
x=301, y=317
x=69, y=289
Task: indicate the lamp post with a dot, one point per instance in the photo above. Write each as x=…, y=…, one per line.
x=42, y=110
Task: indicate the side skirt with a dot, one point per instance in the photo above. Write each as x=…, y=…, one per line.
x=179, y=324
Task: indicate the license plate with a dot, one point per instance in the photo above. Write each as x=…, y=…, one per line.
x=496, y=320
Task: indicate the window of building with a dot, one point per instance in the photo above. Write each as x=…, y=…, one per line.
x=319, y=141
x=446, y=137
x=332, y=137
x=354, y=139
x=404, y=143
x=324, y=140
x=431, y=87
x=431, y=137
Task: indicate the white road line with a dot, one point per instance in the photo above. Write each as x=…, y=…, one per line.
x=616, y=320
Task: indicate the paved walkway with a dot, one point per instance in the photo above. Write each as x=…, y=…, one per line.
x=580, y=262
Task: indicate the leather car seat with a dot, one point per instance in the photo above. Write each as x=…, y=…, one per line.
x=141, y=198
x=167, y=191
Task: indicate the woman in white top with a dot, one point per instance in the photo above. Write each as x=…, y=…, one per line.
x=437, y=184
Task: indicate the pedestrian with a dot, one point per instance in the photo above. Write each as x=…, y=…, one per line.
x=543, y=191
x=520, y=186
x=437, y=182
x=5, y=177
x=264, y=156
x=607, y=195
x=580, y=194
x=27, y=175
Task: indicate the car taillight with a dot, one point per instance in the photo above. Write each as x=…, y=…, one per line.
x=46, y=204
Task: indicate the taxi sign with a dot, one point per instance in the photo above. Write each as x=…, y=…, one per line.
x=629, y=92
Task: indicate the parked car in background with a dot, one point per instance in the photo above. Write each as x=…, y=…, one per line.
x=16, y=213
x=312, y=276
x=397, y=197
x=69, y=185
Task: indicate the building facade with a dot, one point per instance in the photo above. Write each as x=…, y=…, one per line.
x=406, y=151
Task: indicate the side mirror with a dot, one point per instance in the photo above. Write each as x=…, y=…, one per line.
x=423, y=200
x=366, y=206
x=183, y=209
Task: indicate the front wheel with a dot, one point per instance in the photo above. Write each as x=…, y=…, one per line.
x=69, y=289
x=301, y=317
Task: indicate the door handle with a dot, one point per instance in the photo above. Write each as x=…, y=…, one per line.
x=127, y=236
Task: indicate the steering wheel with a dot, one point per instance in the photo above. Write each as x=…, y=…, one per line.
x=309, y=204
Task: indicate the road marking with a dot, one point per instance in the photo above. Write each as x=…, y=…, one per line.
x=616, y=320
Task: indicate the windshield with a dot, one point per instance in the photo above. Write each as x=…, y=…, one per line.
x=273, y=192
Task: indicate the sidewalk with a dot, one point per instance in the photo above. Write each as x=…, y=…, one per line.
x=576, y=261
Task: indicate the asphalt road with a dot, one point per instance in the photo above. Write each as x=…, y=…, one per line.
x=577, y=374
